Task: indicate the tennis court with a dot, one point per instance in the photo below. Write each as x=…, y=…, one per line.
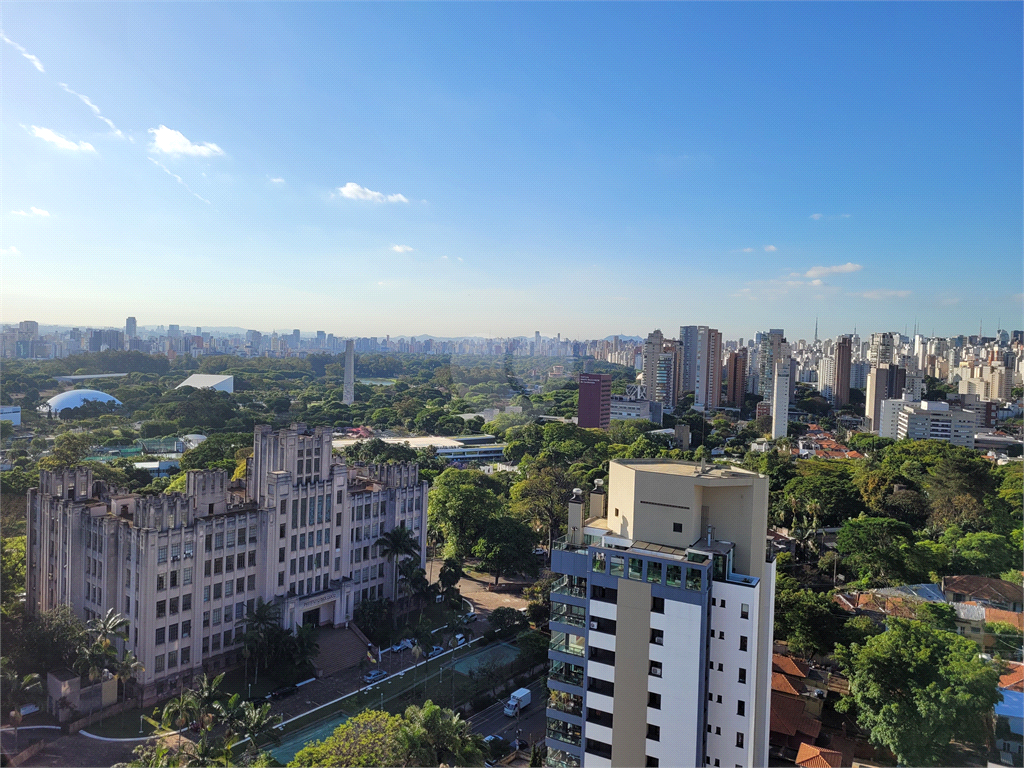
x=500, y=653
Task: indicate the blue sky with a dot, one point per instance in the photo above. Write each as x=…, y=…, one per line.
x=497, y=169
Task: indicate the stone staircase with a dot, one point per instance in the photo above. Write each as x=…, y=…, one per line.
x=340, y=648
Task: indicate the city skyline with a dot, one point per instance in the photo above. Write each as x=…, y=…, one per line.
x=372, y=168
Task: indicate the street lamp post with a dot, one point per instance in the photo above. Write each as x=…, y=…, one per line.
x=140, y=724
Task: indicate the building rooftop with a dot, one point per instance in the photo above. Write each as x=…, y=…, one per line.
x=983, y=588
x=818, y=757
x=205, y=381
x=685, y=468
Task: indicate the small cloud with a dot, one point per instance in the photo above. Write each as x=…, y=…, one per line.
x=55, y=138
x=277, y=180
x=844, y=215
x=35, y=62
x=459, y=258
x=171, y=142
x=381, y=283
x=33, y=211
x=444, y=258
x=401, y=249
x=743, y=250
x=95, y=110
x=770, y=248
x=817, y=216
x=355, y=192
x=838, y=269
x=882, y=294
x=816, y=282
x=178, y=178
x=10, y=251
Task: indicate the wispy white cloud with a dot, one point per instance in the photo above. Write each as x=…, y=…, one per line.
x=880, y=294
x=55, y=138
x=35, y=61
x=817, y=216
x=277, y=180
x=770, y=248
x=355, y=192
x=171, y=142
x=33, y=211
x=401, y=249
x=742, y=250
x=10, y=251
x=95, y=110
x=178, y=178
x=844, y=215
x=838, y=269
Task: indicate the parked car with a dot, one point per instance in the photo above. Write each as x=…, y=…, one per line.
x=435, y=650
x=470, y=617
x=460, y=639
x=374, y=675
x=401, y=645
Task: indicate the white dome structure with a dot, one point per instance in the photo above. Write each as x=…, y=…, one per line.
x=75, y=398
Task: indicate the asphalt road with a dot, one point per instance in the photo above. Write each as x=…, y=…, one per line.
x=532, y=722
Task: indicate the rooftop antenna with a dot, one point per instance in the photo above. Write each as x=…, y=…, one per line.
x=815, y=328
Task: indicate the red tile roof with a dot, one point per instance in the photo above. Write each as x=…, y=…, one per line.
x=1010, y=617
x=818, y=757
x=1014, y=679
x=984, y=588
x=788, y=717
x=787, y=665
x=786, y=684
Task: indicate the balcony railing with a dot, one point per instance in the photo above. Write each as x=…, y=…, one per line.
x=564, y=672
x=566, y=643
x=558, y=758
x=570, y=585
x=568, y=614
x=569, y=703
x=564, y=732
x=562, y=543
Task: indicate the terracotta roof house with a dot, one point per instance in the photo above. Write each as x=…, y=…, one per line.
x=987, y=591
x=818, y=757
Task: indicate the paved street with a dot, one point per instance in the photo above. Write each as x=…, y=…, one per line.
x=532, y=722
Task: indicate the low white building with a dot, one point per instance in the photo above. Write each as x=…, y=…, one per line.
x=937, y=420
x=11, y=413
x=209, y=381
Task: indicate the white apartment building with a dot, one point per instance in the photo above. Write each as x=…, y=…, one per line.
x=936, y=420
x=989, y=382
x=299, y=532
x=662, y=621
x=780, y=396
x=827, y=377
x=624, y=407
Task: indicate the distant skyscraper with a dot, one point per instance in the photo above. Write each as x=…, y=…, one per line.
x=349, y=391
x=736, y=375
x=652, y=348
x=841, y=387
x=708, y=380
x=882, y=348
x=885, y=382
x=768, y=350
x=780, y=396
x=174, y=331
x=130, y=328
x=595, y=400
x=827, y=377
x=321, y=339
x=296, y=337
x=688, y=355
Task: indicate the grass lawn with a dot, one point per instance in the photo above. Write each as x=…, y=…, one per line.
x=235, y=680
x=125, y=725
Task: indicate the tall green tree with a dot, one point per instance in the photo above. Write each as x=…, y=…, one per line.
x=506, y=547
x=460, y=504
x=878, y=549
x=433, y=735
x=396, y=545
x=370, y=738
x=914, y=688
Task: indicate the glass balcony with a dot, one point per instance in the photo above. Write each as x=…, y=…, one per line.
x=564, y=732
x=568, y=614
x=569, y=703
x=570, y=585
x=558, y=758
x=562, y=543
x=564, y=672
x=566, y=643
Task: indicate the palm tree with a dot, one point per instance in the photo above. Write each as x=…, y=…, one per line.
x=108, y=627
x=256, y=722
x=18, y=691
x=303, y=646
x=228, y=713
x=180, y=711
x=260, y=622
x=206, y=752
x=396, y=544
x=207, y=693
x=128, y=669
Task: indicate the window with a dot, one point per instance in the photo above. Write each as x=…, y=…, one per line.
x=599, y=562
x=174, y=579
x=186, y=656
x=636, y=566
x=209, y=542
x=653, y=732
x=186, y=629
x=282, y=533
x=241, y=560
x=216, y=616
x=208, y=568
x=657, y=605
x=743, y=676
x=161, y=582
x=188, y=549
x=618, y=564
x=280, y=578
x=744, y=611
x=302, y=541
x=161, y=555
x=206, y=594
x=295, y=543
x=227, y=638
x=655, y=669
x=240, y=585
x=291, y=567
x=721, y=635
x=280, y=555
x=217, y=590
x=677, y=527
x=694, y=579
x=160, y=633
x=218, y=541
x=674, y=575
x=252, y=558
x=159, y=663
x=252, y=582
x=739, y=739
x=216, y=642
x=657, y=637
x=231, y=537
x=229, y=563
x=653, y=572
x=186, y=576
x=161, y=608
x=174, y=606
x=743, y=642
x=218, y=565
x=654, y=700
x=741, y=708
x=718, y=699
x=172, y=633
x=723, y=603
x=229, y=588
x=652, y=762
